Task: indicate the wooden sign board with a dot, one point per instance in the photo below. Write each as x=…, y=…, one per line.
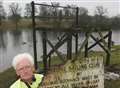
x=85, y=73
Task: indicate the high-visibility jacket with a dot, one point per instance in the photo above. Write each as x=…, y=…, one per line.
x=35, y=84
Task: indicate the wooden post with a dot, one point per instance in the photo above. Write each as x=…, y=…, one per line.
x=77, y=13
x=76, y=35
x=69, y=45
x=49, y=62
x=76, y=44
x=109, y=47
x=44, y=36
x=34, y=34
x=86, y=46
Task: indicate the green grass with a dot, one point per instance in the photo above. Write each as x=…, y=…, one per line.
x=112, y=84
x=8, y=77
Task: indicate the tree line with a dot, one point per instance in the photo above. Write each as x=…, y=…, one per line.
x=98, y=20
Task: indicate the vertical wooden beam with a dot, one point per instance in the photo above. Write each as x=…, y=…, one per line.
x=109, y=47
x=69, y=45
x=76, y=44
x=34, y=34
x=76, y=35
x=49, y=62
x=77, y=15
x=86, y=46
x=44, y=36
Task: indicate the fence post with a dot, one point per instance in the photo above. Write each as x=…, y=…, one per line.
x=77, y=14
x=69, y=46
x=76, y=45
x=109, y=47
x=34, y=34
x=86, y=46
x=44, y=36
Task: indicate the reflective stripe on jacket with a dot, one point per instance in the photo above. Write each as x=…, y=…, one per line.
x=35, y=84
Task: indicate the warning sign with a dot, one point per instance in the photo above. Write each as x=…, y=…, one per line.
x=83, y=73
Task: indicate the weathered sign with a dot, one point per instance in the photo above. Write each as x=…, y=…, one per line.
x=84, y=73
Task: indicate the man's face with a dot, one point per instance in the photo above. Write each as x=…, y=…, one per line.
x=24, y=69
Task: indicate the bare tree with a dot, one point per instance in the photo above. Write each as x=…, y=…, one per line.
x=15, y=13
x=101, y=20
x=49, y=11
x=73, y=11
x=100, y=11
x=115, y=22
x=43, y=10
x=84, y=18
x=67, y=11
x=55, y=10
x=83, y=11
x=2, y=12
x=28, y=10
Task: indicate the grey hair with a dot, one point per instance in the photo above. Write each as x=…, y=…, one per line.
x=20, y=57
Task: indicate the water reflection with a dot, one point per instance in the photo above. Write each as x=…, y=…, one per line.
x=16, y=34
x=29, y=36
x=3, y=39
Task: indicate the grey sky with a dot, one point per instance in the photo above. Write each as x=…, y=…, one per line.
x=112, y=6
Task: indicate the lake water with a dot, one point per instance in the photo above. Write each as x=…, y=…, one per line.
x=14, y=42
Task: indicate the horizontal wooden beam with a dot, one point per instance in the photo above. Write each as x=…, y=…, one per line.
x=55, y=17
x=55, y=6
x=50, y=29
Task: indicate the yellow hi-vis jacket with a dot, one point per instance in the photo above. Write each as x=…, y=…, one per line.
x=35, y=84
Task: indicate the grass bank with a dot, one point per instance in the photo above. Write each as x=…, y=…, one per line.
x=27, y=24
x=10, y=25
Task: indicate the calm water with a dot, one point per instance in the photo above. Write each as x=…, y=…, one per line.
x=13, y=42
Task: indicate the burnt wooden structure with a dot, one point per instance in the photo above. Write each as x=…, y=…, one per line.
x=67, y=37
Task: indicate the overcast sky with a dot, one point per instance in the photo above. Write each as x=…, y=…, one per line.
x=112, y=6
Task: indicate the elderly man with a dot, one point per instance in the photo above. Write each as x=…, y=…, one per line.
x=24, y=67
